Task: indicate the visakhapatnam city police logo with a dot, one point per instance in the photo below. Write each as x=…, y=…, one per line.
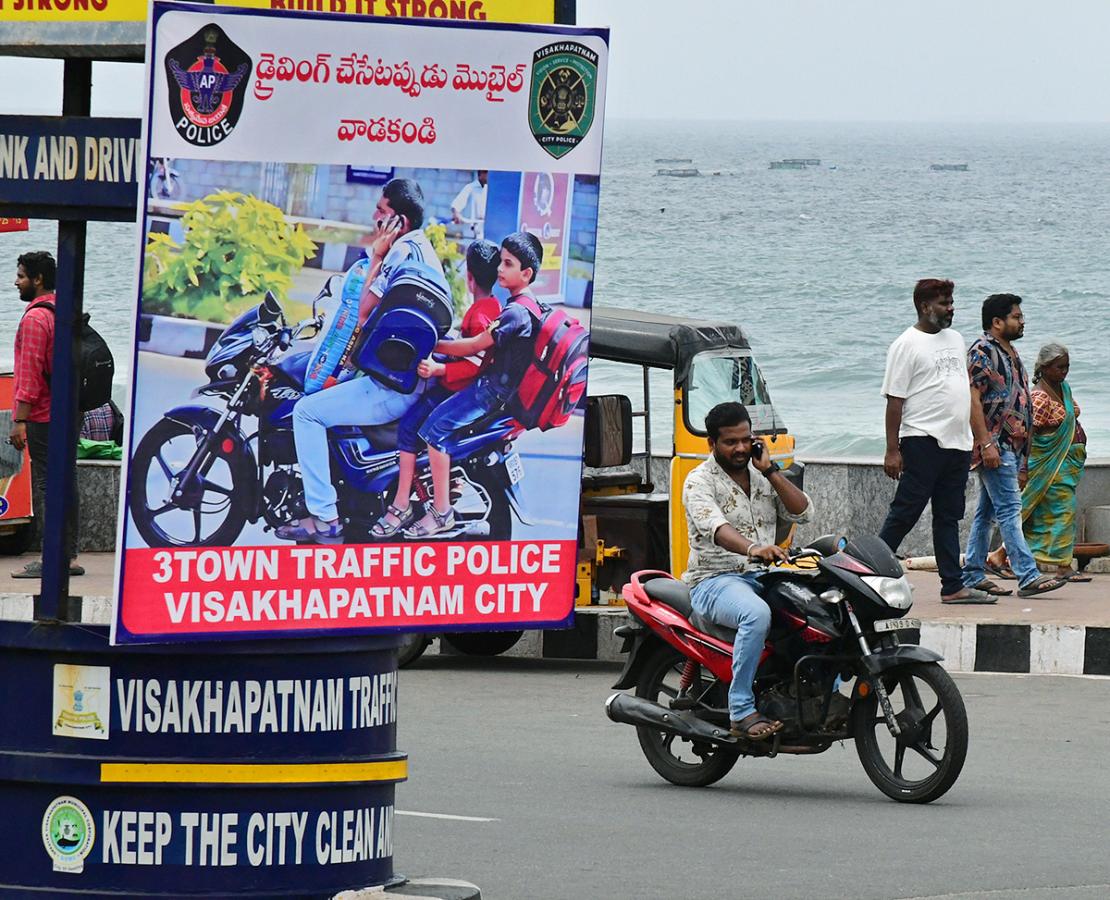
x=68, y=833
x=563, y=96
x=204, y=75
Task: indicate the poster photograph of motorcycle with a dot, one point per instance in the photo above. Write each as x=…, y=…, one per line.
x=307, y=417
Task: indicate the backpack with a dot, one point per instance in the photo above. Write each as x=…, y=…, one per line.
x=415, y=312
x=555, y=379
x=97, y=368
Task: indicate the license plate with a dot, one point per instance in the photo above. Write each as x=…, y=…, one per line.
x=514, y=467
x=898, y=625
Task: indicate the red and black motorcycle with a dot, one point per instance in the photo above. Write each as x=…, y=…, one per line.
x=838, y=612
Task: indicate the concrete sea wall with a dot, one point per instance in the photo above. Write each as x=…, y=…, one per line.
x=850, y=496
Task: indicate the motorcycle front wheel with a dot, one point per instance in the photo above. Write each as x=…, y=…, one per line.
x=930, y=713
x=213, y=519
x=483, y=643
x=678, y=760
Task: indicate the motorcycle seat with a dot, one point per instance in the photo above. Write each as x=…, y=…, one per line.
x=708, y=626
x=383, y=437
x=670, y=593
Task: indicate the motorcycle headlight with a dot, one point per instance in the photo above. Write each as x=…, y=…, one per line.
x=897, y=593
x=260, y=336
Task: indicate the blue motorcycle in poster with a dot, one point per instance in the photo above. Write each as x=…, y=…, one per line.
x=205, y=470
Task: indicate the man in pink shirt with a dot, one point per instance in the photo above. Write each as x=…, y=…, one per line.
x=34, y=361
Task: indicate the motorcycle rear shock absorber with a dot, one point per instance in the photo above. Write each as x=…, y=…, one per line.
x=689, y=677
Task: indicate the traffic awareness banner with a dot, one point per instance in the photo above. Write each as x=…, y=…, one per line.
x=361, y=327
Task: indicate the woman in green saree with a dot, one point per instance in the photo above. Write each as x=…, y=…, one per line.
x=1056, y=462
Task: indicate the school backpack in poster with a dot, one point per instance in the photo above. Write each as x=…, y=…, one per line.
x=555, y=378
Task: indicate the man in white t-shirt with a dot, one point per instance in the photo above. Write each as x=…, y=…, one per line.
x=928, y=433
x=469, y=206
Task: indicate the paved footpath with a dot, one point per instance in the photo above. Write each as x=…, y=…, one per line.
x=1064, y=632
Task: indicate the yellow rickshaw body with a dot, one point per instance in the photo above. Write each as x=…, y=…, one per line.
x=710, y=362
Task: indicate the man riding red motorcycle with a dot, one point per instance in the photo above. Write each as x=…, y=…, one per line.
x=732, y=502
x=828, y=614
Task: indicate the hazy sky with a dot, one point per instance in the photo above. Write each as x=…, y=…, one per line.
x=832, y=60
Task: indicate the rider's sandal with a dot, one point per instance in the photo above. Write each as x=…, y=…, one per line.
x=743, y=728
x=385, y=529
x=331, y=533
x=443, y=522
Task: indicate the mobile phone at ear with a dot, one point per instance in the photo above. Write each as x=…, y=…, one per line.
x=757, y=448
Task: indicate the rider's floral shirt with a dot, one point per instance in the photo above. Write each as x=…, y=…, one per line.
x=712, y=499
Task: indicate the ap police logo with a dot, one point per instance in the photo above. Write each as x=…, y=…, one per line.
x=206, y=76
x=563, y=96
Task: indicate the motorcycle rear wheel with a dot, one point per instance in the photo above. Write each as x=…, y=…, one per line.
x=498, y=514
x=919, y=717
x=674, y=757
x=413, y=645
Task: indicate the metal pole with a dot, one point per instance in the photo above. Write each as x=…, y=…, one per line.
x=54, y=602
x=565, y=13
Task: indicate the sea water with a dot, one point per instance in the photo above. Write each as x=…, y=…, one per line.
x=817, y=265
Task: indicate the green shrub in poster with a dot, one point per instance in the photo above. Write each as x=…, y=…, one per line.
x=236, y=247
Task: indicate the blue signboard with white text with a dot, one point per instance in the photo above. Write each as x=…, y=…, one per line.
x=56, y=167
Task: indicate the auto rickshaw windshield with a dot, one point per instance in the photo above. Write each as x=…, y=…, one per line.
x=721, y=376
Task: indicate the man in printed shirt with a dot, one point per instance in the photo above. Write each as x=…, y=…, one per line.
x=34, y=361
x=1002, y=423
x=733, y=501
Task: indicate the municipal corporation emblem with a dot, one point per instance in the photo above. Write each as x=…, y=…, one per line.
x=68, y=833
x=563, y=96
x=206, y=76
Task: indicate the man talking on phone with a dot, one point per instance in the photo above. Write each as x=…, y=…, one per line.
x=398, y=238
x=733, y=501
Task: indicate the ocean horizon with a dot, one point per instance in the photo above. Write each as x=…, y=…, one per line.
x=816, y=265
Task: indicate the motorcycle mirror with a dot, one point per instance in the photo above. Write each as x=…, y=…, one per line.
x=269, y=310
x=324, y=293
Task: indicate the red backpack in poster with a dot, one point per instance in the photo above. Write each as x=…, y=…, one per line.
x=555, y=379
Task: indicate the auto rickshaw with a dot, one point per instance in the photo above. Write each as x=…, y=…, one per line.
x=631, y=515
x=632, y=510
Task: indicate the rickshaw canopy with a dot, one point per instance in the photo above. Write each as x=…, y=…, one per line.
x=659, y=341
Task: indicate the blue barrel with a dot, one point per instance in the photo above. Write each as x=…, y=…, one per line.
x=255, y=768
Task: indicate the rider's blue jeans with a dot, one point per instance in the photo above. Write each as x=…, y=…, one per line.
x=733, y=600
x=999, y=500
x=360, y=401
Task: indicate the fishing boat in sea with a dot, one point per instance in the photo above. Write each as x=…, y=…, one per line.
x=672, y=159
x=948, y=167
x=678, y=173
x=807, y=161
x=787, y=164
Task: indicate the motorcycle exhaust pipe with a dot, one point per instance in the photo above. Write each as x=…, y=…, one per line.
x=633, y=710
